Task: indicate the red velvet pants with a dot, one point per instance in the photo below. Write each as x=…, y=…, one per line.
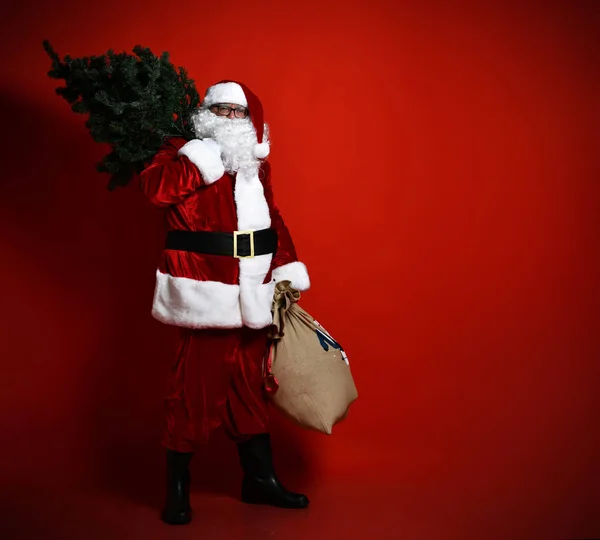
x=217, y=379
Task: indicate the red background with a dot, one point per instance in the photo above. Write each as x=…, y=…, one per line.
x=438, y=167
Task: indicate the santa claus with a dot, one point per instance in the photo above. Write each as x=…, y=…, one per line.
x=226, y=248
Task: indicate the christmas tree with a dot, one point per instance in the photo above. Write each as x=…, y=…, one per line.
x=133, y=101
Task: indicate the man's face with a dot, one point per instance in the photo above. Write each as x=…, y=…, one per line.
x=229, y=110
x=230, y=125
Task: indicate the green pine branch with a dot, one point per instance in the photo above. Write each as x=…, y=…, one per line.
x=133, y=101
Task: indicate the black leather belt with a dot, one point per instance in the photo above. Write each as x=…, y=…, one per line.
x=239, y=244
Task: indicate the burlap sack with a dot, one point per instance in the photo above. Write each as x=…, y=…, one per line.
x=308, y=374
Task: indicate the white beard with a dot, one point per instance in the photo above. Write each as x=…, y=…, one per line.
x=235, y=136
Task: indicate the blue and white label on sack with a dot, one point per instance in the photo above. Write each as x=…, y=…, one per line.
x=327, y=341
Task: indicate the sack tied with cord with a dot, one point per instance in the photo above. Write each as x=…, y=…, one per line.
x=307, y=372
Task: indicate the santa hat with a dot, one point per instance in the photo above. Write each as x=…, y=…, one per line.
x=238, y=93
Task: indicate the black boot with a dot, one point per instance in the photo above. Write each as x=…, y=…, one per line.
x=260, y=484
x=177, y=509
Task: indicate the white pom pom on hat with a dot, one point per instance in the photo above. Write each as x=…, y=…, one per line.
x=262, y=150
x=227, y=91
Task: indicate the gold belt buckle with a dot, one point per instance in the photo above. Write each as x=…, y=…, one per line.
x=235, y=245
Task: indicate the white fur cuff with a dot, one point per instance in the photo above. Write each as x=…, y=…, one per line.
x=206, y=155
x=295, y=272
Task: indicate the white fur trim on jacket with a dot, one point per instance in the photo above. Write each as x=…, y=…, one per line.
x=196, y=304
x=295, y=272
x=253, y=214
x=206, y=155
x=256, y=298
x=251, y=205
x=225, y=93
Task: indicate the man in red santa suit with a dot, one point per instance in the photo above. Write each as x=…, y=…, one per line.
x=226, y=248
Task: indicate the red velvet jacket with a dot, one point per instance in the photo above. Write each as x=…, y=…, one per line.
x=209, y=291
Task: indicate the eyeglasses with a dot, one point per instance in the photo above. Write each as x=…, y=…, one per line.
x=224, y=110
